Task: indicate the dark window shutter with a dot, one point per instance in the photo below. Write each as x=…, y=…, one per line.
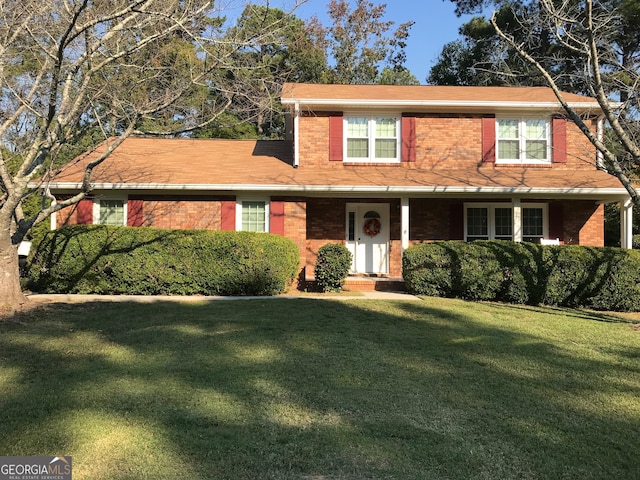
x=135, y=212
x=84, y=211
x=276, y=217
x=489, y=139
x=456, y=222
x=556, y=220
x=335, y=137
x=228, y=215
x=559, y=140
x=408, y=138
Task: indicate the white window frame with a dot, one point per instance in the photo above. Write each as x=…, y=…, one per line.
x=239, y=204
x=96, y=208
x=371, y=129
x=491, y=225
x=522, y=139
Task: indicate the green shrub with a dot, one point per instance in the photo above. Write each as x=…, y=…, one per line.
x=332, y=267
x=520, y=266
x=480, y=275
x=621, y=284
x=452, y=269
x=149, y=261
x=428, y=269
x=570, y=276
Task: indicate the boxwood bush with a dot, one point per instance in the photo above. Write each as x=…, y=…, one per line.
x=524, y=273
x=332, y=267
x=148, y=261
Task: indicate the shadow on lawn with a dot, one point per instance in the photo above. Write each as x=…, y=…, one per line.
x=316, y=389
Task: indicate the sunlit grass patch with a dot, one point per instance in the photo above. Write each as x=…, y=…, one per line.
x=310, y=388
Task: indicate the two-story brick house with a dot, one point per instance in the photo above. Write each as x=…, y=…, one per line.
x=377, y=168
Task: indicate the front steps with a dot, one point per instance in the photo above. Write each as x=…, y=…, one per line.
x=365, y=283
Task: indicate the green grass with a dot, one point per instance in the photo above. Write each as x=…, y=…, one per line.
x=323, y=389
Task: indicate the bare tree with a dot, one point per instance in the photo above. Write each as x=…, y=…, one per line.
x=598, y=33
x=73, y=69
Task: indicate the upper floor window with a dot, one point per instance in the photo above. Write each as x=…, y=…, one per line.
x=372, y=139
x=523, y=140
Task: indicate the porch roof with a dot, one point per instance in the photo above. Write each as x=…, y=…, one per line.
x=205, y=165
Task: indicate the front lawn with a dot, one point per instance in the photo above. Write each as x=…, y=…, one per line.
x=320, y=389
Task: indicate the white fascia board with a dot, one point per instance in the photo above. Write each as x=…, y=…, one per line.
x=355, y=103
x=353, y=189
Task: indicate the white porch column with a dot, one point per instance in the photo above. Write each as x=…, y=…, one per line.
x=517, y=220
x=626, y=224
x=404, y=223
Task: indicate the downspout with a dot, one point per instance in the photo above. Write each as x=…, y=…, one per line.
x=296, y=136
x=600, y=135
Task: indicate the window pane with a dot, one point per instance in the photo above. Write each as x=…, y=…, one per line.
x=477, y=222
x=386, y=127
x=112, y=212
x=536, y=129
x=504, y=221
x=357, y=148
x=532, y=222
x=508, y=149
x=253, y=216
x=508, y=129
x=358, y=127
x=386, y=148
x=536, y=150
x=352, y=227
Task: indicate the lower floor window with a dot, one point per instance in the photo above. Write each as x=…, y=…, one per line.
x=495, y=222
x=503, y=224
x=532, y=224
x=111, y=212
x=477, y=223
x=254, y=215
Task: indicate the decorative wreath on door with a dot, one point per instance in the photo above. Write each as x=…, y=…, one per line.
x=372, y=227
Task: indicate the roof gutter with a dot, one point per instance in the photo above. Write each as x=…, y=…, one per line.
x=355, y=189
x=435, y=103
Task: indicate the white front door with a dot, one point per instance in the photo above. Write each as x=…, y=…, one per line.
x=368, y=237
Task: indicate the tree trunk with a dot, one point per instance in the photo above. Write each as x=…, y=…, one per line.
x=11, y=297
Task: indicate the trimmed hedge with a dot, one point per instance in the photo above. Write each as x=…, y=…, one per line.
x=525, y=273
x=332, y=267
x=149, y=261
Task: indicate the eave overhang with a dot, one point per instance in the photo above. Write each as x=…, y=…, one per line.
x=613, y=194
x=311, y=103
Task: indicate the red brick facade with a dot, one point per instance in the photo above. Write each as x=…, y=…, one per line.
x=447, y=160
x=454, y=140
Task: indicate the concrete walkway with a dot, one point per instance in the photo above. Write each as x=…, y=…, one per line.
x=73, y=298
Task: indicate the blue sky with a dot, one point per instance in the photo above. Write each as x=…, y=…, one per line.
x=435, y=25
